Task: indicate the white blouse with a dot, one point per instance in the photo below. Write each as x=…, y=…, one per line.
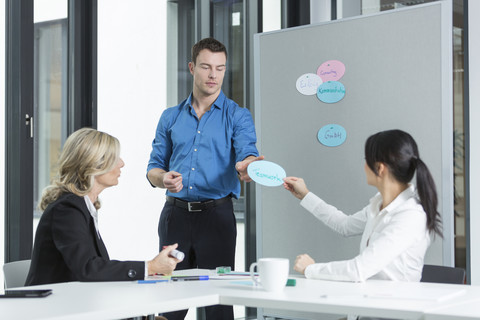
x=393, y=244
x=93, y=212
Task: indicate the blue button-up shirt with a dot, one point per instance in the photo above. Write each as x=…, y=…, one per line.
x=204, y=151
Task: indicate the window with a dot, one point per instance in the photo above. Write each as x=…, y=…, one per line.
x=42, y=105
x=50, y=101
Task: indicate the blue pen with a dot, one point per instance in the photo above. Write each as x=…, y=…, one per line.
x=152, y=281
x=189, y=278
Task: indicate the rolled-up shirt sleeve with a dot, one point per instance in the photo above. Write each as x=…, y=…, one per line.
x=161, y=145
x=244, y=136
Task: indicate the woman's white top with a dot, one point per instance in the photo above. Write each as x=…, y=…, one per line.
x=393, y=244
x=93, y=212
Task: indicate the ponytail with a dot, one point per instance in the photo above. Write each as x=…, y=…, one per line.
x=398, y=150
x=428, y=197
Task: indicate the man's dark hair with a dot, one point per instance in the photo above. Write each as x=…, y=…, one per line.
x=209, y=44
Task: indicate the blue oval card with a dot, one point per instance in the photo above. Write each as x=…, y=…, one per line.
x=332, y=135
x=266, y=173
x=331, y=91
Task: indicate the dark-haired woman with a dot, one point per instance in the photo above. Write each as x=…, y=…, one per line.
x=396, y=225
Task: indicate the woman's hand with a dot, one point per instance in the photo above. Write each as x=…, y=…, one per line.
x=302, y=262
x=163, y=263
x=296, y=186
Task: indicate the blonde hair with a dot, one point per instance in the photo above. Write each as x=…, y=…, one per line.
x=87, y=153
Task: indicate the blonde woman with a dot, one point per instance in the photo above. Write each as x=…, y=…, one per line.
x=68, y=246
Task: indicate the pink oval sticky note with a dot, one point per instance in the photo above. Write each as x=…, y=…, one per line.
x=331, y=70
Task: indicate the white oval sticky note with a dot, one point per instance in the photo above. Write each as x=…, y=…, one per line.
x=331, y=92
x=332, y=135
x=308, y=83
x=266, y=173
x=331, y=70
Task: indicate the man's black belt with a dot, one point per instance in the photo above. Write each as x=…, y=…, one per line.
x=197, y=206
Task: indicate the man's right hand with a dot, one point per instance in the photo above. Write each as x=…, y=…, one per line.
x=160, y=178
x=173, y=181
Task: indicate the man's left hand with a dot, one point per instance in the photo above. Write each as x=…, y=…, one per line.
x=241, y=167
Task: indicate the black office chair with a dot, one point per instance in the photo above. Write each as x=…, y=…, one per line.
x=437, y=274
x=441, y=274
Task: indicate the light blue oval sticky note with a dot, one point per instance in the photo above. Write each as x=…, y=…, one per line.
x=308, y=83
x=331, y=91
x=332, y=135
x=266, y=173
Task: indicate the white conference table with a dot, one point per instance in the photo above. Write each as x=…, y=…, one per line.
x=468, y=309
x=115, y=300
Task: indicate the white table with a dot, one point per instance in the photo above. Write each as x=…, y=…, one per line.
x=114, y=300
x=373, y=298
x=108, y=300
x=467, y=308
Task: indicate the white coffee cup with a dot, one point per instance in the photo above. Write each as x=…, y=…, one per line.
x=273, y=273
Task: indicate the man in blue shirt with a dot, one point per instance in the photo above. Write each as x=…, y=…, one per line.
x=201, y=148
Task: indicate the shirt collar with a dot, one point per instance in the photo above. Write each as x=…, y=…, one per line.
x=220, y=100
x=218, y=103
x=93, y=211
x=406, y=194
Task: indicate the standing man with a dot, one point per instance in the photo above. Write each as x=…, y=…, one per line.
x=201, y=148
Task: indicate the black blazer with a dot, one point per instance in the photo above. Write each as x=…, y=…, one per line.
x=67, y=248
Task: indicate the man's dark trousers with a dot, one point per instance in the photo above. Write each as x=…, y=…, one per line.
x=207, y=238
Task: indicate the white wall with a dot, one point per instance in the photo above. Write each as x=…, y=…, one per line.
x=349, y=8
x=320, y=11
x=474, y=77
x=131, y=98
x=46, y=10
x=271, y=15
x=2, y=137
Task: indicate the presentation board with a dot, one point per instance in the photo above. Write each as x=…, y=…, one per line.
x=397, y=75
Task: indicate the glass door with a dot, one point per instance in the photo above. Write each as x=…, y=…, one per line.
x=50, y=91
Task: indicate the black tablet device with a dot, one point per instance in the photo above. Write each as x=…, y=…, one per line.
x=26, y=293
